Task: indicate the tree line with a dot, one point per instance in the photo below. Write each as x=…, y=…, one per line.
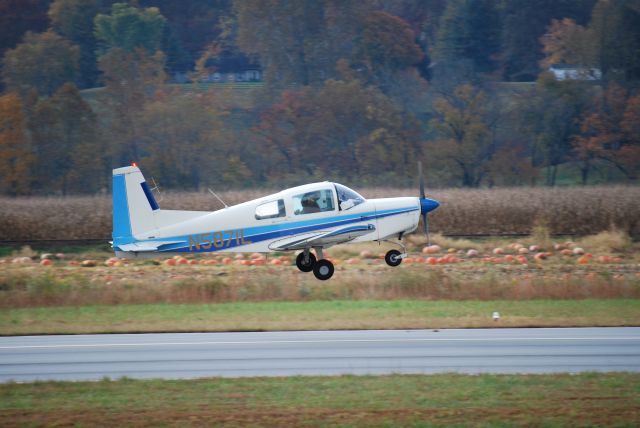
x=353, y=90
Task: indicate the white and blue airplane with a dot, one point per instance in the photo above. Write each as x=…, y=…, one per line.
x=313, y=216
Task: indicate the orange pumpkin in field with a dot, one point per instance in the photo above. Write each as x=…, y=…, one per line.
x=170, y=262
x=431, y=249
x=46, y=262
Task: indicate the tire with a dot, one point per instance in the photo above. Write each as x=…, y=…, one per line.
x=305, y=267
x=393, y=258
x=323, y=269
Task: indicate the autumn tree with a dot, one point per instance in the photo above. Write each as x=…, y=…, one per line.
x=185, y=143
x=469, y=30
x=16, y=159
x=133, y=72
x=299, y=42
x=548, y=117
x=65, y=140
x=17, y=17
x=43, y=62
x=73, y=19
x=566, y=42
x=463, y=136
x=608, y=133
x=524, y=22
x=341, y=129
x=386, y=47
x=616, y=34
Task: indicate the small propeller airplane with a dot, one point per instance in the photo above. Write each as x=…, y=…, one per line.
x=313, y=216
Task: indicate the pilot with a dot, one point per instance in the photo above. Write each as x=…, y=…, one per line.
x=310, y=203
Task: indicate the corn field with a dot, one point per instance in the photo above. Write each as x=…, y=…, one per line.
x=574, y=210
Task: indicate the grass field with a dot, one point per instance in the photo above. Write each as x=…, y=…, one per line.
x=588, y=399
x=318, y=315
x=583, y=210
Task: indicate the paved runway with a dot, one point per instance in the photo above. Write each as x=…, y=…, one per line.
x=192, y=355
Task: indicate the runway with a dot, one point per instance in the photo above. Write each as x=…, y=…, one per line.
x=193, y=355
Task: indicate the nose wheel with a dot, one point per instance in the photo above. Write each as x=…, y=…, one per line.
x=393, y=258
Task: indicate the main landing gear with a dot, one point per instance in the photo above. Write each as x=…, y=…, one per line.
x=307, y=262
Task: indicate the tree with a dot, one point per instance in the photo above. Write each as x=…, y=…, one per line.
x=608, y=132
x=566, y=42
x=548, y=116
x=469, y=30
x=388, y=42
x=129, y=28
x=73, y=19
x=616, y=32
x=133, y=72
x=299, y=42
x=340, y=129
x=387, y=46
x=19, y=16
x=524, y=22
x=463, y=134
x=65, y=139
x=16, y=158
x=43, y=62
x=184, y=142
x=131, y=80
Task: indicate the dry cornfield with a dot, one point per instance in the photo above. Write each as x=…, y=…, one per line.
x=574, y=210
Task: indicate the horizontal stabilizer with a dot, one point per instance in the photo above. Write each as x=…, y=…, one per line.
x=146, y=246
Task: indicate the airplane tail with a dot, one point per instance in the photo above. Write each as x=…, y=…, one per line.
x=133, y=205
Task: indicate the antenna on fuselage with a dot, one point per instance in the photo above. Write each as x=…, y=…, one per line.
x=217, y=197
x=156, y=188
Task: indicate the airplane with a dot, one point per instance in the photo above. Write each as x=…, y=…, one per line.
x=312, y=216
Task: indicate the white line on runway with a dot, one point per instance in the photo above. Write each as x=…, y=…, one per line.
x=270, y=342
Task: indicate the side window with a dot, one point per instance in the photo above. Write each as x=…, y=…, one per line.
x=273, y=209
x=313, y=202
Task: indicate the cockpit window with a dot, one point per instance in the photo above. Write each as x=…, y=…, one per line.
x=273, y=209
x=347, y=198
x=313, y=202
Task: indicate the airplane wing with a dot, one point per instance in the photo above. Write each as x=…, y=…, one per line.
x=146, y=246
x=322, y=238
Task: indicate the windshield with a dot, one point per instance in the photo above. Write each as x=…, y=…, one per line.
x=347, y=198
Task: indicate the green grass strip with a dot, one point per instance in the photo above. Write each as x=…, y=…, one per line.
x=588, y=399
x=318, y=315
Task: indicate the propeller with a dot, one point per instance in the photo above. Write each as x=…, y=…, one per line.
x=426, y=204
x=425, y=222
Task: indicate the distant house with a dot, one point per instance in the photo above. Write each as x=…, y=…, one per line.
x=575, y=72
x=226, y=68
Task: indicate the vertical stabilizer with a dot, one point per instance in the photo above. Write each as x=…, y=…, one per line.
x=133, y=205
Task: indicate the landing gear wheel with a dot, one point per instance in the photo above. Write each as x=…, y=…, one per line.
x=323, y=269
x=393, y=258
x=308, y=267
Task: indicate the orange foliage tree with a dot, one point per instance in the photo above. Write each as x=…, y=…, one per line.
x=16, y=158
x=609, y=132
